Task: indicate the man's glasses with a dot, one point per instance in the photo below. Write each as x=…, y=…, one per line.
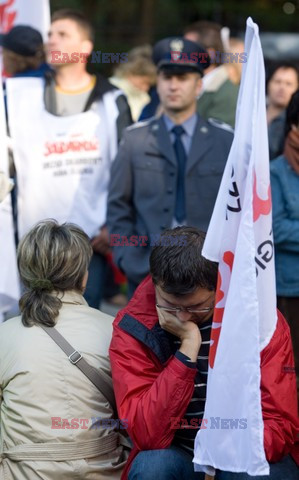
x=176, y=310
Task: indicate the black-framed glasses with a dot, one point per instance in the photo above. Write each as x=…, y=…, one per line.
x=176, y=310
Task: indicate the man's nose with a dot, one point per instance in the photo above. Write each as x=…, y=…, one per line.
x=173, y=83
x=184, y=315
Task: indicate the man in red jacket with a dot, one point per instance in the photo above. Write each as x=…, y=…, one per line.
x=159, y=357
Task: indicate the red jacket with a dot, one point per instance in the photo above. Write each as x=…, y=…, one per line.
x=152, y=385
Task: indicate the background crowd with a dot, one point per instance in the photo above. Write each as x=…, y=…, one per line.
x=70, y=91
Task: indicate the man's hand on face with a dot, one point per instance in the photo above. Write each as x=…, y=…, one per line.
x=187, y=331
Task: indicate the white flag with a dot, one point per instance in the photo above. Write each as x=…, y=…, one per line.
x=35, y=13
x=9, y=282
x=240, y=239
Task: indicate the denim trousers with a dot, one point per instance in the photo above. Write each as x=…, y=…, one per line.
x=175, y=464
x=96, y=280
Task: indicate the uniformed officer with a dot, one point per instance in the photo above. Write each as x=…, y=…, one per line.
x=168, y=169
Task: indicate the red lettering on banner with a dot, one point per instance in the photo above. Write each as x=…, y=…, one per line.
x=228, y=258
x=260, y=206
x=71, y=146
x=7, y=18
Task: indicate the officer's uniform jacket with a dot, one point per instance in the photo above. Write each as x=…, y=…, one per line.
x=143, y=186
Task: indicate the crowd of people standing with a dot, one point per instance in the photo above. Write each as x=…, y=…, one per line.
x=114, y=187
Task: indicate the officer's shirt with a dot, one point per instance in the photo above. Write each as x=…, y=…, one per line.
x=189, y=127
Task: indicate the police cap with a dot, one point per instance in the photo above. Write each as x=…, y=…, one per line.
x=179, y=55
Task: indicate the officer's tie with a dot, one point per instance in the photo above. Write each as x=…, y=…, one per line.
x=179, y=212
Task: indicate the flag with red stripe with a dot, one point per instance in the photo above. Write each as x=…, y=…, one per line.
x=240, y=239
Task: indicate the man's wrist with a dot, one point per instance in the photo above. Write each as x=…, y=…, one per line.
x=190, y=347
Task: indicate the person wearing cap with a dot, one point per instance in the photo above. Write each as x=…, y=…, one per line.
x=66, y=130
x=168, y=169
x=23, y=52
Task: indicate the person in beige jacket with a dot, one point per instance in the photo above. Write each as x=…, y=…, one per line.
x=55, y=424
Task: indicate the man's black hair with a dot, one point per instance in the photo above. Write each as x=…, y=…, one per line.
x=177, y=264
x=292, y=112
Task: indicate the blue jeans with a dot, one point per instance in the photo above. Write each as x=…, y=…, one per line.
x=96, y=280
x=175, y=464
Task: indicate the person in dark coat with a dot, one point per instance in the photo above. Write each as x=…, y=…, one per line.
x=285, y=196
x=168, y=169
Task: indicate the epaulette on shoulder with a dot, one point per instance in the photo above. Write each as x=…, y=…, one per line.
x=219, y=124
x=143, y=123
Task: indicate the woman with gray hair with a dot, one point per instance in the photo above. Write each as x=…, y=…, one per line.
x=57, y=420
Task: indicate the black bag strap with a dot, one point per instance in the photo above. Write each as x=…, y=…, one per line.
x=99, y=378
